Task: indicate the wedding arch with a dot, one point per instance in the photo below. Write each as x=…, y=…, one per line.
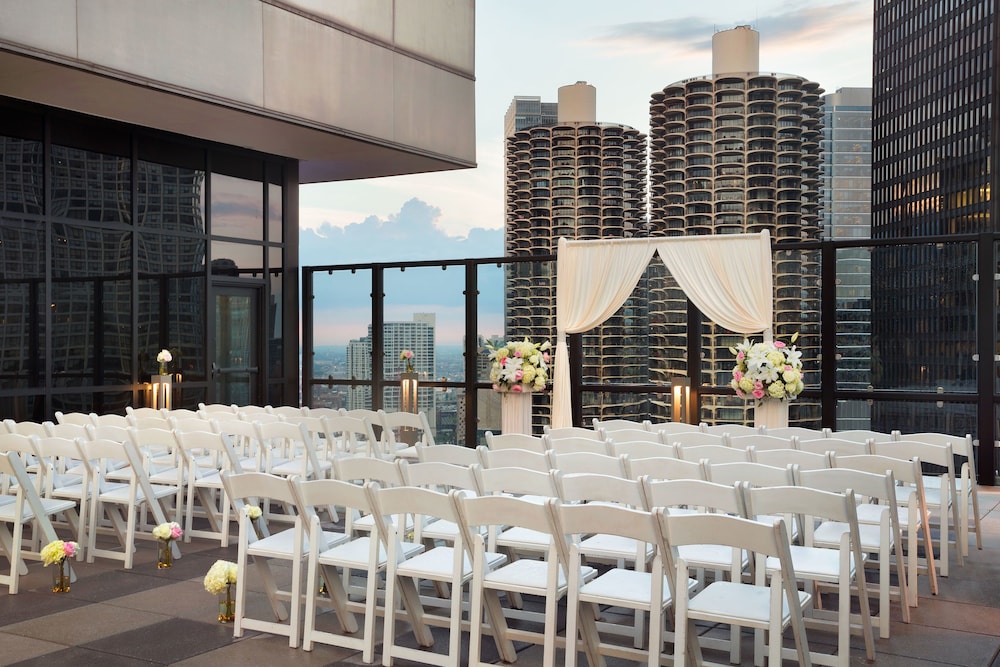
x=728, y=277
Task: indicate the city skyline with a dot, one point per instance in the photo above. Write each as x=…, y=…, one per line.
x=649, y=45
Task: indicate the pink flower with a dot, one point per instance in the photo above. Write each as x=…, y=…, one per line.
x=779, y=344
x=496, y=387
x=517, y=353
x=758, y=385
x=737, y=375
x=175, y=532
x=740, y=394
x=518, y=375
x=69, y=548
x=516, y=388
x=758, y=393
x=545, y=357
x=740, y=355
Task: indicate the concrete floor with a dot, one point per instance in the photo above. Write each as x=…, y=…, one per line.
x=147, y=616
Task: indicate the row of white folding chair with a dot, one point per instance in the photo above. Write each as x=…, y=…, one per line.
x=966, y=481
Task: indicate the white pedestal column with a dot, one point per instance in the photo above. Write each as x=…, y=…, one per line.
x=515, y=412
x=162, y=388
x=771, y=413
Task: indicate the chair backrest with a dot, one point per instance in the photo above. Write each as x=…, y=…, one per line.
x=289, y=411
x=456, y=454
x=731, y=429
x=643, y=450
x=801, y=432
x=588, y=462
x=498, y=510
x=289, y=441
x=111, y=420
x=310, y=494
x=960, y=445
x=393, y=422
x=67, y=430
x=860, y=435
x=665, y=467
x=516, y=481
x=576, y=444
x=441, y=476
x=254, y=409
x=146, y=421
x=253, y=488
x=191, y=424
x=783, y=457
x=589, y=487
x=693, y=494
x=574, y=520
x=421, y=503
x=13, y=473
x=571, y=432
x=23, y=447
x=107, y=432
x=694, y=438
x=873, y=485
x=222, y=408
x=80, y=418
x=759, y=441
x=713, y=453
x=353, y=435
x=669, y=428
x=934, y=454
x=756, y=474
x=153, y=442
x=143, y=412
x=838, y=446
x=26, y=427
x=634, y=435
x=813, y=504
x=194, y=444
x=55, y=457
x=517, y=458
x=180, y=413
x=610, y=425
x=367, y=469
x=321, y=412
x=532, y=443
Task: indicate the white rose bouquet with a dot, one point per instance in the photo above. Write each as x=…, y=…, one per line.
x=520, y=366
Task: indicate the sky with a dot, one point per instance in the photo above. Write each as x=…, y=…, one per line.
x=627, y=50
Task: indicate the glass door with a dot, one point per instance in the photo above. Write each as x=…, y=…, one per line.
x=235, y=367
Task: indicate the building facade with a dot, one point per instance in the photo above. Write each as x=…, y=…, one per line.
x=846, y=209
x=737, y=152
x=150, y=158
x=935, y=139
x=576, y=179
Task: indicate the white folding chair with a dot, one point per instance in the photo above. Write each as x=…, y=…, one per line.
x=643, y=450
x=290, y=450
x=669, y=428
x=842, y=566
x=79, y=418
x=965, y=480
x=588, y=462
x=285, y=546
x=858, y=435
x=206, y=456
x=23, y=505
x=514, y=458
x=759, y=441
x=571, y=432
x=335, y=564
x=524, y=576
x=455, y=454
x=63, y=477
x=941, y=498
x=610, y=425
x=569, y=444
x=695, y=439
x=880, y=533
x=121, y=502
x=352, y=436
x=662, y=467
x=772, y=605
x=445, y=565
x=635, y=434
x=839, y=446
x=783, y=457
x=729, y=429
x=402, y=431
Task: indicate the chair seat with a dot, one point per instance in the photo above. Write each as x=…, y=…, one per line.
x=624, y=588
x=813, y=563
x=828, y=533
x=354, y=553
x=294, y=467
x=120, y=494
x=282, y=544
x=530, y=577
x=51, y=506
x=710, y=556
x=524, y=539
x=728, y=602
x=612, y=547
x=438, y=564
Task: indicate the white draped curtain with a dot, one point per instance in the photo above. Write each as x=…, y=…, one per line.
x=728, y=277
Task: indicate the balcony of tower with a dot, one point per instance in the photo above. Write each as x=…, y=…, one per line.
x=698, y=224
x=762, y=82
x=728, y=223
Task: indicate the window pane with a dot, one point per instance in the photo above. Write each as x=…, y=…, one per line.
x=237, y=208
x=171, y=198
x=91, y=186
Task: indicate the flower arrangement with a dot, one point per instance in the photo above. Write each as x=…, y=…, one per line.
x=520, y=366
x=252, y=511
x=166, y=533
x=767, y=370
x=164, y=358
x=221, y=575
x=220, y=579
x=407, y=356
x=57, y=551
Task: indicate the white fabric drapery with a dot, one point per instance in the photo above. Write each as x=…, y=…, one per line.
x=728, y=277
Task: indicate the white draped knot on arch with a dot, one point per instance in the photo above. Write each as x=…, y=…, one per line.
x=728, y=277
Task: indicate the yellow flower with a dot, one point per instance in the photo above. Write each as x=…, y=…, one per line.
x=221, y=574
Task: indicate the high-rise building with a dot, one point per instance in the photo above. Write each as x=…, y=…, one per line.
x=737, y=151
x=529, y=111
x=576, y=178
x=418, y=336
x=846, y=209
x=934, y=141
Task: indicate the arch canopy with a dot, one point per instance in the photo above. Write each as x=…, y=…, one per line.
x=728, y=277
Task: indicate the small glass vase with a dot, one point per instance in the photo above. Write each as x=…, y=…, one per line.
x=227, y=606
x=163, y=368
x=165, y=555
x=60, y=579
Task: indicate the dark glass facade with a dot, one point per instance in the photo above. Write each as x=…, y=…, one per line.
x=113, y=242
x=932, y=144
